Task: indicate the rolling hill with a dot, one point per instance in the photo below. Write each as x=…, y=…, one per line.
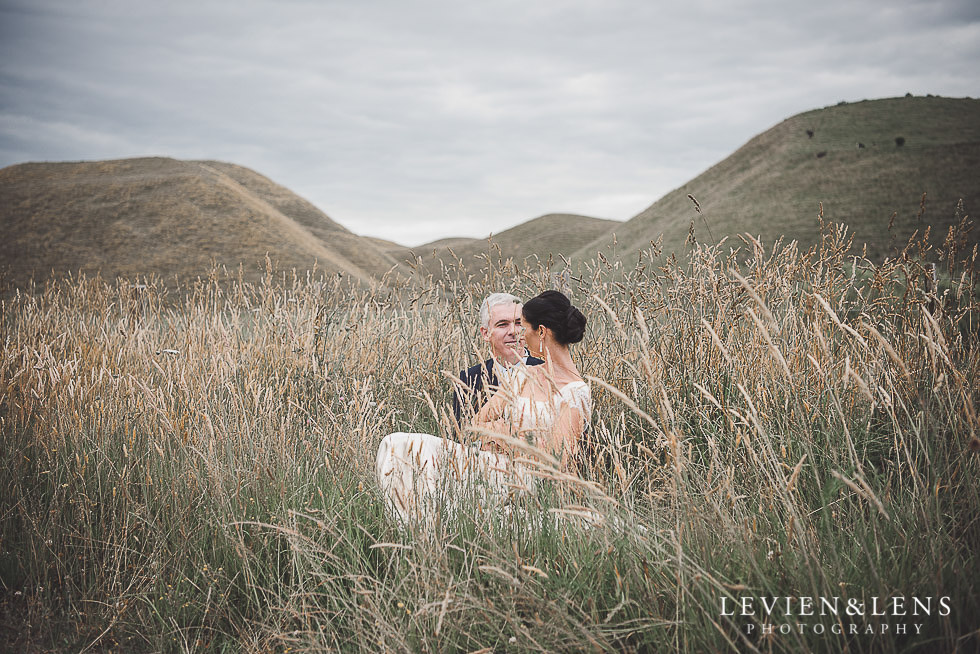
x=134, y=217
x=863, y=161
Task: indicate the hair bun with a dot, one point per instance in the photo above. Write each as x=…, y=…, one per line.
x=574, y=325
x=554, y=310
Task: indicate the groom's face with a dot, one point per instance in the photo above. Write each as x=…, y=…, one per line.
x=503, y=332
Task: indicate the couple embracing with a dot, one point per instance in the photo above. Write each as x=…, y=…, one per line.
x=522, y=408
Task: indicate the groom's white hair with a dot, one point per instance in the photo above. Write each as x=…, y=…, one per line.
x=493, y=300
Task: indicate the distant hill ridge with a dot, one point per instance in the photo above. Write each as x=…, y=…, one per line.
x=863, y=162
x=537, y=240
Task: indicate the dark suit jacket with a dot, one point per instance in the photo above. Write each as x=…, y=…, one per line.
x=476, y=389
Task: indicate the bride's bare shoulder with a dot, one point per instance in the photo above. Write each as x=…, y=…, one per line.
x=556, y=382
x=536, y=371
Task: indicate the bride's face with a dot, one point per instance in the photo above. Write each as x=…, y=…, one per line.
x=531, y=338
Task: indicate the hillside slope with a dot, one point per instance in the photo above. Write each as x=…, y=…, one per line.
x=863, y=162
x=135, y=217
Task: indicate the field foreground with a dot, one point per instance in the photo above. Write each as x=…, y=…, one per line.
x=195, y=473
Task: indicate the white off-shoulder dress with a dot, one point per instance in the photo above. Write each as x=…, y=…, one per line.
x=418, y=473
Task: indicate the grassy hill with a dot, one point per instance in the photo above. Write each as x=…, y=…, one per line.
x=134, y=217
x=536, y=240
x=864, y=161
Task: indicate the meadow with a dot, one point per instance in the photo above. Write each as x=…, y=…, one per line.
x=191, y=470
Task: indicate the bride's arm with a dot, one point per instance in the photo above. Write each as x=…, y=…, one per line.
x=493, y=410
x=491, y=418
x=565, y=434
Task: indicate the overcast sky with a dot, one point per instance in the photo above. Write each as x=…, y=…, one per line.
x=418, y=120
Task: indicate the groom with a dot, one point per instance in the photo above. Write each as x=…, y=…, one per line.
x=500, y=318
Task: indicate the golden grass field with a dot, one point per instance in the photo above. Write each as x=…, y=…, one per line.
x=192, y=470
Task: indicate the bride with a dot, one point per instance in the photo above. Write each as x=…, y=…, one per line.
x=540, y=410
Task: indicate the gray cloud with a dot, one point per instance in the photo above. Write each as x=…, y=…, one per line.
x=415, y=121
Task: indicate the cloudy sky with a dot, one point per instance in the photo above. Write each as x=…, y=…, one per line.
x=417, y=120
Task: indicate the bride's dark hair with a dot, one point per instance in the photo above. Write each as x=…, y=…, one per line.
x=553, y=310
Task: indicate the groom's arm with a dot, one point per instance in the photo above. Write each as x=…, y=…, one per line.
x=463, y=387
x=466, y=393
x=469, y=395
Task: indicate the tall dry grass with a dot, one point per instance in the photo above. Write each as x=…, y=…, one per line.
x=194, y=471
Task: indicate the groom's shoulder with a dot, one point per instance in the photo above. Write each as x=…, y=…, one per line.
x=534, y=361
x=476, y=371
